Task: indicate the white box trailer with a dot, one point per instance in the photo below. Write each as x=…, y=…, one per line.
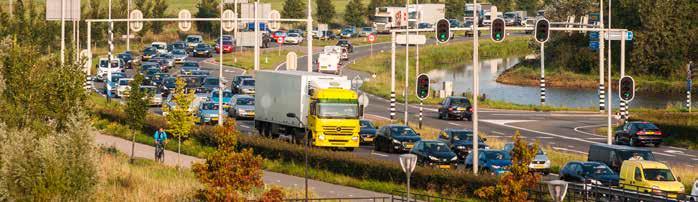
x=247, y=40
x=329, y=60
x=429, y=13
x=387, y=18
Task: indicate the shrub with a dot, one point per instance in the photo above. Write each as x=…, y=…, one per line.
x=273, y=195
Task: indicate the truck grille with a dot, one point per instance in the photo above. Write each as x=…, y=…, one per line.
x=338, y=130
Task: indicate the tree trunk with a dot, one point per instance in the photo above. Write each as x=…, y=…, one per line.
x=179, y=150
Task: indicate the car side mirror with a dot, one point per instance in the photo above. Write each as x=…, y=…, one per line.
x=484, y=139
x=678, y=178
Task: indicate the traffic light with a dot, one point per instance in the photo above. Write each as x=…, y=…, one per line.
x=443, y=31
x=627, y=88
x=497, y=30
x=422, y=86
x=542, y=30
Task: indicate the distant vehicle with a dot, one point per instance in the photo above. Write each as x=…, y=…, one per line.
x=179, y=55
x=650, y=177
x=103, y=68
x=208, y=113
x=153, y=95
x=210, y=84
x=454, y=23
x=434, y=154
x=327, y=35
x=114, y=82
x=193, y=41
x=365, y=31
x=236, y=81
x=160, y=46
x=348, y=32
x=193, y=83
x=127, y=57
x=472, y=10
x=388, y=18
x=593, y=173
x=227, y=97
x=455, y=107
x=168, y=85
x=228, y=38
x=614, y=155
x=193, y=107
x=148, y=53
x=178, y=45
x=202, y=50
x=495, y=161
x=159, y=78
x=346, y=44
x=424, y=25
x=228, y=47
x=152, y=64
x=246, y=86
x=296, y=31
x=395, y=138
x=489, y=17
x=539, y=163
x=247, y=39
x=460, y=141
x=529, y=22
x=278, y=34
x=293, y=38
x=694, y=192
x=169, y=60
x=468, y=32
x=329, y=60
x=639, y=133
x=123, y=88
x=367, y=131
x=242, y=106
x=150, y=72
x=189, y=66
x=428, y=13
x=514, y=18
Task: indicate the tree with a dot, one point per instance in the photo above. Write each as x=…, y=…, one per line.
x=136, y=107
x=512, y=186
x=159, y=12
x=354, y=13
x=371, y=8
x=294, y=9
x=325, y=11
x=146, y=6
x=529, y=6
x=502, y=5
x=207, y=9
x=454, y=9
x=181, y=120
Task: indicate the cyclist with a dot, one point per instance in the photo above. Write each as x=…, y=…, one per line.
x=160, y=137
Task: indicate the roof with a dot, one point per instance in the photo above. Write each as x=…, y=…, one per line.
x=648, y=164
x=243, y=96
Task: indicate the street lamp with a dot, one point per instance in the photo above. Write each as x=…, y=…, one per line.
x=305, y=148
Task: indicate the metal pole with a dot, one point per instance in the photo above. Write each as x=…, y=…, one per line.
x=623, y=104
x=602, y=92
x=688, y=86
x=128, y=26
x=419, y=17
x=305, y=175
x=63, y=31
x=220, y=72
x=407, y=66
x=235, y=33
x=476, y=66
x=421, y=103
x=89, y=48
x=408, y=184
x=309, y=38
x=111, y=48
x=392, y=78
x=542, y=74
x=610, y=85
x=256, y=36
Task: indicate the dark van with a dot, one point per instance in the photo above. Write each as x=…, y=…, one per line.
x=614, y=155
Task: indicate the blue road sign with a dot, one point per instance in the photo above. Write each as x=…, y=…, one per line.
x=593, y=35
x=594, y=45
x=630, y=36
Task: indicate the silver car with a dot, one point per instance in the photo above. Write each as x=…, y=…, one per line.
x=242, y=106
x=179, y=55
x=246, y=86
x=540, y=163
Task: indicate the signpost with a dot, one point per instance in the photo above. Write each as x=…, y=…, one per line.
x=557, y=189
x=184, y=14
x=229, y=23
x=413, y=39
x=408, y=162
x=617, y=36
x=371, y=38
x=422, y=93
x=280, y=40
x=274, y=24
x=135, y=24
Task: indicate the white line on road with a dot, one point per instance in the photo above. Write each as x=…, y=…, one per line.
x=540, y=132
x=244, y=126
x=588, y=133
x=595, y=138
x=678, y=148
x=569, y=150
x=454, y=124
x=544, y=137
x=379, y=154
x=377, y=116
x=663, y=154
x=497, y=132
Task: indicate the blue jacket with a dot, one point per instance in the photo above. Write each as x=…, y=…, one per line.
x=160, y=136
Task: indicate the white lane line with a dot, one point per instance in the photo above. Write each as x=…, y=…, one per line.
x=570, y=146
x=569, y=150
x=596, y=138
x=544, y=138
x=678, y=148
x=379, y=154
x=695, y=159
x=453, y=124
x=378, y=117
x=540, y=132
x=690, y=166
x=588, y=133
x=497, y=132
x=663, y=154
x=680, y=153
x=244, y=126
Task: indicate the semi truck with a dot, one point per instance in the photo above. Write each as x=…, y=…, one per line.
x=387, y=18
x=425, y=13
x=288, y=103
x=470, y=17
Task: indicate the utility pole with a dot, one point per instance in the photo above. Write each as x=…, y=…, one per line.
x=309, y=38
x=392, y=78
x=542, y=74
x=609, y=109
x=602, y=92
x=418, y=20
x=623, y=107
x=220, y=71
x=235, y=32
x=689, y=85
x=256, y=36
x=128, y=26
x=407, y=64
x=63, y=30
x=476, y=86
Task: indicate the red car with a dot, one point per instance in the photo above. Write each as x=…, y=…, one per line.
x=228, y=47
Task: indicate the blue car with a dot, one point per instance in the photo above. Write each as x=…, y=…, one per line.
x=593, y=173
x=227, y=97
x=114, y=79
x=494, y=161
x=208, y=113
x=460, y=141
x=367, y=131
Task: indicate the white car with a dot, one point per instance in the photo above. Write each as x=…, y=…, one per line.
x=160, y=46
x=123, y=88
x=694, y=192
x=117, y=65
x=293, y=38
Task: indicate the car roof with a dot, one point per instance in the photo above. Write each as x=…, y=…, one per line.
x=456, y=97
x=457, y=130
x=395, y=126
x=648, y=164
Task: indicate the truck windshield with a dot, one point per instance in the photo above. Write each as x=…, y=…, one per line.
x=658, y=175
x=381, y=19
x=337, y=110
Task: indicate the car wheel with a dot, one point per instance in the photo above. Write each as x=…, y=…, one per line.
x=391, y=149
x=376, y=147
x=350, y=149
x=470, y=118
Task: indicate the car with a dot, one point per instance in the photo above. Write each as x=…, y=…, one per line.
x=152, y=64
x=650, y=177
x=161, y=47
x=122, y=87
x=193, y=83
x=694, y=192
x=614, y=155
x=168, y=85
x=365, y=31
x=114, y=81
x=193, y=107
x=434, y=153
x=246, y=86
x=203, y=73
x=127, y=57
x=278, y=34
x=150, y=73
x=495, y=161
x=202, y=50
x=208, y=113
x=395, y=138
x=293, y=38
x=188, y=67
x=639, y=133
x=211, y=83
x=460, y=141
x=455, y=107
x=242, y=106
x=367, y=132
x=103, y=68
x=148, y=53
x=179, y=55
x=348, y=32
x=228, y=47
x=227, y=97
x=193, y=41
x=346, y=44
x=592, y=173
x=177, y=45
x=424, y=25
x=153, y=95
x=454, y=23
x=225, y=38
x=327, y=35
x=296, y=31
x=236, y=81
x=161, y=63
x=469, y=32
x=539, y=163
x=159, y=78
x=166, y=60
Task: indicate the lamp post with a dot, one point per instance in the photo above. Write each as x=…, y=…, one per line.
x=305, y=148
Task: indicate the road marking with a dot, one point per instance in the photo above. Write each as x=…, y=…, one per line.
x=379, y=154
x=690, y=166
x=569, y=150
x=503, y=122
x=544, y=138
x=244, y=126
x=663, y=154
x=588, y=133
x=684, y=149
x=596, y=138
x=680, y=153
x=535, y=131
x=377, y=116
x=453, y=124
x=695, y=159
x=497, y=132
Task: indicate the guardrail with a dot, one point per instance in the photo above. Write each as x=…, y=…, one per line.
x=587, y=192
x=401, y=196
x=382, y=199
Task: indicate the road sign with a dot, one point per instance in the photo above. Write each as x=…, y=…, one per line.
x=593, y=36
x=371, y=38
x=85, y=54
x=228, y=20
x=280, y=39
x=414, y=39
x=616, y=36
x=274, y=24
x=184, y=14
x=71, y=11
x=443, y=31
x=408, y=162
x=594, y=45
x=557, y=189
x=363, y=100
x=627, y=88
x=291, y=61
x=137, y=25
x=422, y=86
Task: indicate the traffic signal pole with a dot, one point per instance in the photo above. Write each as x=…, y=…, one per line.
x=623, y=105
x=392, y=78
x=602, y=92
x=407, y=66
x=542, y=74
x=476, y=66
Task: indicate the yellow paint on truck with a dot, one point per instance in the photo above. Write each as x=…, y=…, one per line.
x=650, y=177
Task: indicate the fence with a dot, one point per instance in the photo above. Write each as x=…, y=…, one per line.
x=586, y=192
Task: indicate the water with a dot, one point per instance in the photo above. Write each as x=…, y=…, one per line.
x=490, y=69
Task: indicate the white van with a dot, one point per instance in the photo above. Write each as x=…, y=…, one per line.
x=117, y=65
x=160, y=46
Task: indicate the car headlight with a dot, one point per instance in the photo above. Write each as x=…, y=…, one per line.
x=496, y=166
x=396, y=141
x=355, y=138
x=240, y=111
x=433, y=158
x=682, y=190
x=595, y=182
x=454, y=158
x=547, y=163
x=460, y=147
x=321, y=137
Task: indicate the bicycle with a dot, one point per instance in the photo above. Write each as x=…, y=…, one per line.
x=160, y=152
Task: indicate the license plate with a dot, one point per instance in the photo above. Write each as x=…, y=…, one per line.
x=214, y=119
x=445, y=166
x=460, y=108
x=409, y=146
x=649, y=133
x=368, y=139
x=537, y=166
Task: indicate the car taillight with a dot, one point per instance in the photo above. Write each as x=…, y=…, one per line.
x=470, y=109
x=658, y=132
x=640, y=133
x=450, y=109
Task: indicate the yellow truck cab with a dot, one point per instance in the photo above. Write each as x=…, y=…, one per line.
x=333, y=118
x=649, y=177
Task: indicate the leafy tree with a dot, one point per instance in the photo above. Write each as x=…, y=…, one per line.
x=159, y=8
x=454, y=9
x=325, y=11
x=354, y=13
x=181, y=120
x=146, y=6
x=136, y=107
x=530, y=6
x=512, y=186
x=371, y=8
x=207, y=9
x=503, y=5
x=294, y=9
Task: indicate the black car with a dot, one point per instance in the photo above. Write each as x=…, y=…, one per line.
x=210, y=83
x=150, y=73
x=188, y=67
x=368, y=131
x=593, y=173
x=638, y=133
x=168, y=85
x=460, y=141
x=204, y=50
x=395, y=138
x=434, y=153
x=148, y=53
x=346, y=44
x=237, y=80
x=456, y=107
x=614, y=155
x=127, y=57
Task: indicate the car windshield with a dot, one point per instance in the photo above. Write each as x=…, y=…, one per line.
x=436, y=147
x=342, y=42
x=658, y=174
x=366, y=124
x=248, y=82
x=462, y=135
x=123, y=82
x=337, y=110
x=202, y=46
x=402, y=131
x=192, y=39
x=149, y=51
x=646, y=126
x=227, y=43
x=380, y=19
x=209, y=106
x=293, y=35
x=190, y=64
x=158, y=46
x=497, y=155
x=645, y=155
x=179, y=52
x=509, y=15
x=367, y=29
x=460, y=102
x=179, y=46
x=211, y=81
x=225, y=94
x=597, y=169
x=245, y=101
